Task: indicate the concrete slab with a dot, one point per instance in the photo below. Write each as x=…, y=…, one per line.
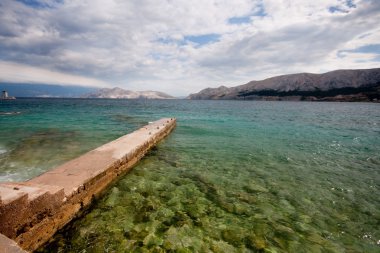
x=33, y=191
x=32, y=211
x=75, y=173
x=35, y=202
x=8, y=195
x=9, y=246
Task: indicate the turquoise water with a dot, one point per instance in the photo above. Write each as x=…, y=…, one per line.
x=235, y=176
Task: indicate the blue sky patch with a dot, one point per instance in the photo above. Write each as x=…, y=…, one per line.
x=261, y=12
x=239, y=20
x=203, y=39
x=247, y=19
x=40, y=4
x=349, y=3
x=368, y=49
x=334, y=9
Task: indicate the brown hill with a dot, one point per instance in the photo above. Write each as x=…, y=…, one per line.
x=338, y=85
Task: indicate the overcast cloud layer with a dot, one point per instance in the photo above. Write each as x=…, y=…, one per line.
x=181, y=46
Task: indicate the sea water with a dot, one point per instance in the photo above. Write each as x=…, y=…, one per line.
x=234, y=176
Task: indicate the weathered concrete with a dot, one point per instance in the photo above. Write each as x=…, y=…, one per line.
x=31, y=212
x=26, y=205
x=9, y=246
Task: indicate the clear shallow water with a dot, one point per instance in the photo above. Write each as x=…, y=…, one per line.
x=46, y=132
x=235, y=176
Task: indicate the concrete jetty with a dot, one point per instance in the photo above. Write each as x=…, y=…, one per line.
x=32, y=211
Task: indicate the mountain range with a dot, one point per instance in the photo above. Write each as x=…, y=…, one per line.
x=338, y=85
x=121, y=93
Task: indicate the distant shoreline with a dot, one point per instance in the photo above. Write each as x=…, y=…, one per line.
x=261, y=99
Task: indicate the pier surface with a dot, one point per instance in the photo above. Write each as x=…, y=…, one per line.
x=32, y=211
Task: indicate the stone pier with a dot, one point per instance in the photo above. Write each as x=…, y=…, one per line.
x=32, y=211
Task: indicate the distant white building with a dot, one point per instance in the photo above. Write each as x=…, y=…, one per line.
x=4, y=95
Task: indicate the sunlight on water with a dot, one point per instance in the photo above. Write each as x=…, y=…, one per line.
x=234, y=176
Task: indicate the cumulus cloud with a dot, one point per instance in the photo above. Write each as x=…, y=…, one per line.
x=183, y=46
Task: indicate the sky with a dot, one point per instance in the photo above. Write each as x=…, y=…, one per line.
x=181, y=46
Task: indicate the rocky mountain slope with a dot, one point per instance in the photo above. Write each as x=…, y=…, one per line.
x=338, y=85
x=121, y=93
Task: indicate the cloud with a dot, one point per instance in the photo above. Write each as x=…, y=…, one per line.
x=19, y=73
x=183, y=46
x=287, y=42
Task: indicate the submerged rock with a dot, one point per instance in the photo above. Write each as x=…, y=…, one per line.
x=221, y=247
x=112, y=197
x=234, y=236
x=151, y=240
x=255, y=188
x=255, y=242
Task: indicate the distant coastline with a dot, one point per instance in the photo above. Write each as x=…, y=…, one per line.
x=119, y=93
x=362, y=85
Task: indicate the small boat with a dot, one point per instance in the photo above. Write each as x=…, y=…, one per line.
x=4, y=96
